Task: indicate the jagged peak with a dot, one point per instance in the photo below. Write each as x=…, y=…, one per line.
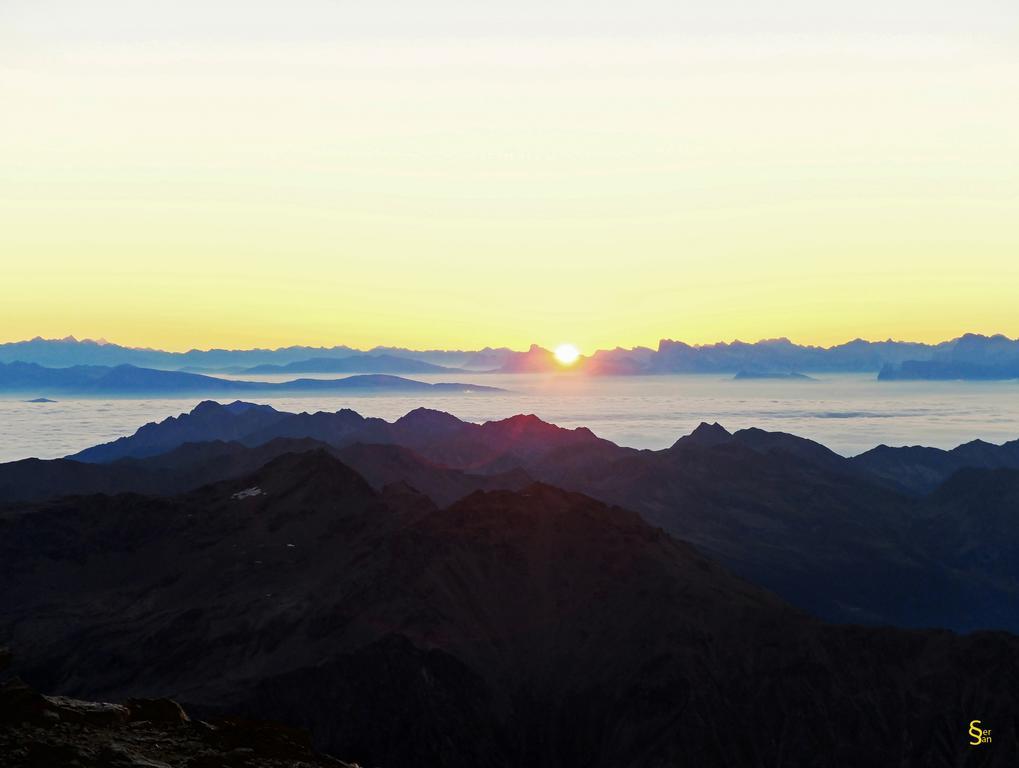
x=706, y=435
x=348, y=413
x=207, y=406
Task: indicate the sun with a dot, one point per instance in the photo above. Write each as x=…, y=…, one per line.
x=567, y=354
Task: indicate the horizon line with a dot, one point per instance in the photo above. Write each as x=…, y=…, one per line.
x=102, y=341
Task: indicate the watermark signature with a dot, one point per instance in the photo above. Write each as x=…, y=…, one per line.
x=978, y=735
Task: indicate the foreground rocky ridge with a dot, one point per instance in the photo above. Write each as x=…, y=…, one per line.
x=61, y=732
x=534, y=627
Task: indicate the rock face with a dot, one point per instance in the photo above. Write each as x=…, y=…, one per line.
x=535, y=627
x=157, y=711
x=58, y=732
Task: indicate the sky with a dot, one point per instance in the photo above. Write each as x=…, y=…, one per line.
x=460, y=174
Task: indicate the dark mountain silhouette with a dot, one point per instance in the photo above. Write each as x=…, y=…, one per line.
x=791, y=446
x=192, y=465
x=969, y=524
x=354, y=364
x=497, y=446
x=919, y=470
x=207, y=421
x=834, y=536
x=35, y=479
x=790, y=515
x=386, y=466
x=129, y=380
x=537, y=627
x=185, y=467
x=491, y=447
x=706, y=435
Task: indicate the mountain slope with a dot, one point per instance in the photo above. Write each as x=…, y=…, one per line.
x=919, y=470
x=537, y=627
x=969, y=525
x=789, y=515
x=192, y=465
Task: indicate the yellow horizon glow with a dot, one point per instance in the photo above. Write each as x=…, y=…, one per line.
x=228, y=174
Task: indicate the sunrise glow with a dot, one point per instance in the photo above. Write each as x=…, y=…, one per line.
x=567, y=354
x=236, y=174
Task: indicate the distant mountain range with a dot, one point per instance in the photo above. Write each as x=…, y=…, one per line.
x=534, y=626
x=967, y=357
x=975, y=358
x=123, y=380
x=353, y=364
x=71, y=351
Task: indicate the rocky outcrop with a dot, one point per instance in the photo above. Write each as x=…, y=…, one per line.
x=39, y=731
